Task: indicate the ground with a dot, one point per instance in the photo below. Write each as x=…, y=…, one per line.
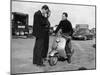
x=22, y=55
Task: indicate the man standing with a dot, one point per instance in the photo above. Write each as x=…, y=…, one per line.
x=41, y=32
x=66, y=27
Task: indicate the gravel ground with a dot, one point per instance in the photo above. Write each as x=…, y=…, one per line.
x=22, y=55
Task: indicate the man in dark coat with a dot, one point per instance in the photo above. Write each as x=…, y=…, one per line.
x=41, y=32
x=66, y=27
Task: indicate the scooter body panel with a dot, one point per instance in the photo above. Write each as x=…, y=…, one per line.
x=59, y=46
x=53, y=53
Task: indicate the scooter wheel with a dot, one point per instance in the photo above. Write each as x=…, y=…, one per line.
x=53, y=60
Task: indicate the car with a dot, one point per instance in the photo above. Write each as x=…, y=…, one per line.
x=19, y=24
x=82, y=36
x=94, y=45
x=78, y=37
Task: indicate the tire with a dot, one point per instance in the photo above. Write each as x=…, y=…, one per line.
x=53, y=60
x=91, y=38
x=22, y=33
x=17, y=33
x=85, y=38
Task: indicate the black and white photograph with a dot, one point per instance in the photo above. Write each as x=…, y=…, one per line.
x=52, y=37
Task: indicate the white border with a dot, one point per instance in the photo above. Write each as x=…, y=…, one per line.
x=5, y=36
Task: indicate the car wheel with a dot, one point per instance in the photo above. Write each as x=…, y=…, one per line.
x=85, y=38
x=22, y=33
x=91, y=38
x=17, y=33
x=53, y=60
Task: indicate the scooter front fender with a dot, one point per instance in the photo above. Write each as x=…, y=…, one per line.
x=53, y=53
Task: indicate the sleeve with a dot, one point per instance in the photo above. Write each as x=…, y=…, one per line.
x=40, y=20
x=71, y=29
x=59, y=26
x=35, y=24
x=36, y=19
x=48, y=23
x=38, y=23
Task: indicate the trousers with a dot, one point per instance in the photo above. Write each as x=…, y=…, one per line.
x=40, y=49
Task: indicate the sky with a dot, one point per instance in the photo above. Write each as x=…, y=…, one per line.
x=76, y=14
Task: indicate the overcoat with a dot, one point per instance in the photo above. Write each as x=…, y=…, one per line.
x=41, y=32
x=40, y=25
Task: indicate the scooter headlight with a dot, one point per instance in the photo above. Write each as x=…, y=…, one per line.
x=57, y=40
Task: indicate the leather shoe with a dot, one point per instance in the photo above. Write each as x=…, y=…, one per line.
x=41, y=65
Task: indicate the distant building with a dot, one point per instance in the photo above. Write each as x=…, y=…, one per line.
x=82, y=26
x=93, y=30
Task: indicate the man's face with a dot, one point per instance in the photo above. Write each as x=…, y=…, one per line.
x=44, y=11
x=64, y=17
x=49, y=13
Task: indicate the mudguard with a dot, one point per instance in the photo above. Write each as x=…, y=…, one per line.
x=53, y=52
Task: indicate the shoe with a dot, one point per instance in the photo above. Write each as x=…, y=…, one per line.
x=44, y=59
x=41, y=65
x=69, y=59
x=34, y=63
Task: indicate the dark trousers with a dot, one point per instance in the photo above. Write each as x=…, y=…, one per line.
x=68, y=43
x=68, y=47
x=40, y=49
